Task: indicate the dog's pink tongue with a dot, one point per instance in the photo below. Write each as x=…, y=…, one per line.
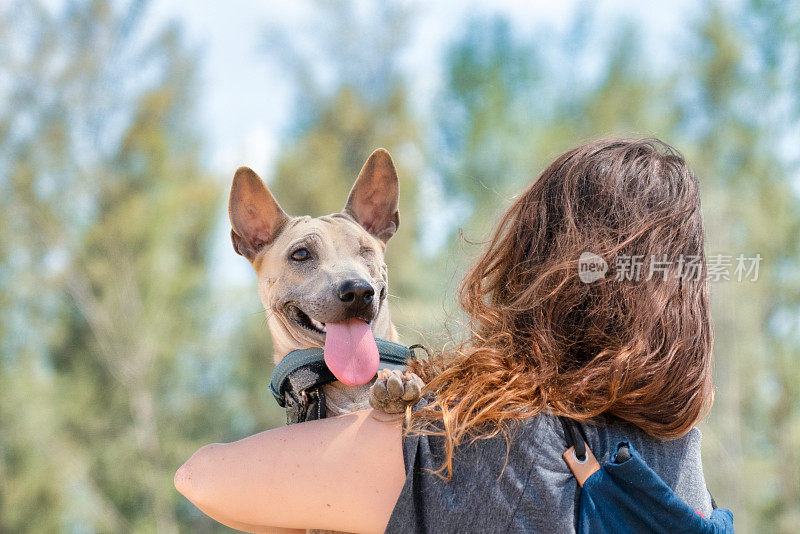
x=350, y=352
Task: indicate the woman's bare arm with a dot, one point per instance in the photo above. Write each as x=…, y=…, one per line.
x=343, y=473
x=256, y=529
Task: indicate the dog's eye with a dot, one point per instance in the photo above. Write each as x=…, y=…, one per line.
x=301, y=254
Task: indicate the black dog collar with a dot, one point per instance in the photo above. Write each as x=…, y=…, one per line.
x=297, y=380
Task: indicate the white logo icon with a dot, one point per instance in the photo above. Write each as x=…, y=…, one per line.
x=591, y=267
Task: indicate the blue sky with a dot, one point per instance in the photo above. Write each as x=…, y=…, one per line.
x=243, y=105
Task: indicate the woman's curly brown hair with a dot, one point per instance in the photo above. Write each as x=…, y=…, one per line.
x=541, y=339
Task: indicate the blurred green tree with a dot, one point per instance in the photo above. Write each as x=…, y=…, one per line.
x=106, y=377
x=742, y=114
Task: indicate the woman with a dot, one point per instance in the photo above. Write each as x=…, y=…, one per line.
x=626, y=351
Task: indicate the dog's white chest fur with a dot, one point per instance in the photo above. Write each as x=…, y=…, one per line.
x=341, y=399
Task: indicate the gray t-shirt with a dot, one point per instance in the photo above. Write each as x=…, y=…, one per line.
x=528, y=487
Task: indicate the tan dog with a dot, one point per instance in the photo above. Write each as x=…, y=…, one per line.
x=323, y=281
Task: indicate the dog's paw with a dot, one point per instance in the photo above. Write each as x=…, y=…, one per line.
x=394, y=390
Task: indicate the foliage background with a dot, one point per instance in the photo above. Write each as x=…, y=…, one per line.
x=122, y=352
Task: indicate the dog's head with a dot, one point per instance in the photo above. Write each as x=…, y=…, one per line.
x=322, y=277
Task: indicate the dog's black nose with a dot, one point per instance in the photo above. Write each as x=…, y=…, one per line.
x=356, y=290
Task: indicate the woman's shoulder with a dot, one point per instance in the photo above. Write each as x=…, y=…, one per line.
x=534, y=439
x=542, y=437
x=519, y=480
x=677, y=462
x=490, y=480
x=661, y=455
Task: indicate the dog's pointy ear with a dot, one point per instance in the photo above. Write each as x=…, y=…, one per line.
x=375, y=196
x=256, y=218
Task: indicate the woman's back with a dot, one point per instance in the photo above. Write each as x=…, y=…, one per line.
x=528, y=488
